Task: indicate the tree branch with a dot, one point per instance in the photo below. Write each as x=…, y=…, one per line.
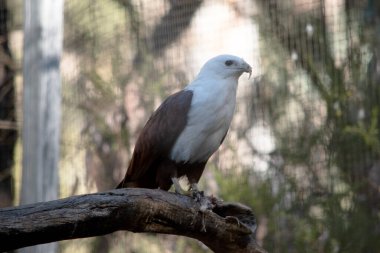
x=136, y=210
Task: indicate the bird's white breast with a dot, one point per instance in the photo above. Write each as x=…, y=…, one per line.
x=208, y=120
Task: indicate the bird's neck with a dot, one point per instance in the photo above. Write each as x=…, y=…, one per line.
x=214, y=93
x=214, y=85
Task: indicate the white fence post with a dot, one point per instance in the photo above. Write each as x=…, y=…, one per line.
x=43, y=34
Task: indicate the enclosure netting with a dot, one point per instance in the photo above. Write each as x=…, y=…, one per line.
x=303, y=149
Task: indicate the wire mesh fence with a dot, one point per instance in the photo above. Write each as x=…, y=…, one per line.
x=303, y=149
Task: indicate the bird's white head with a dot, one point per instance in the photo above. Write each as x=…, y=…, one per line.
x=225, y=66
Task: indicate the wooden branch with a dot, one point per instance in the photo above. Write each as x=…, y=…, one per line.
x=136, y=210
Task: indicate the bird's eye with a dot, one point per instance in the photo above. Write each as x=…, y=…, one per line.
x=228, y=63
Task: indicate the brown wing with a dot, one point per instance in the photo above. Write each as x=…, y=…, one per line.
x=157, y=139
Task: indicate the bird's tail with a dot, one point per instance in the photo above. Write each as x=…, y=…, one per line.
x=120, y=185
x=125, y=183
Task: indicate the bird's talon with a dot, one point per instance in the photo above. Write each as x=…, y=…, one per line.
x=197, y=195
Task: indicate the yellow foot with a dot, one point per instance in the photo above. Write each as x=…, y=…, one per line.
x=178, y=189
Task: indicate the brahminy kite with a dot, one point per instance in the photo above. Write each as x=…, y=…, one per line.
x=187, y=128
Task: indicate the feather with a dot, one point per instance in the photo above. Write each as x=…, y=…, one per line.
x=187, y=128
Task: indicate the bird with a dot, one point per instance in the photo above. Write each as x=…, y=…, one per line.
x=186, y=129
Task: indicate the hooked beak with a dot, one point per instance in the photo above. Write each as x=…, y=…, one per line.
x=247, y=68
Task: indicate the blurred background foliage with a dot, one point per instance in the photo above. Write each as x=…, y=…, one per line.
x=304, y=147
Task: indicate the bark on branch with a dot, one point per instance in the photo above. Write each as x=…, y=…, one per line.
x=225, y=228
